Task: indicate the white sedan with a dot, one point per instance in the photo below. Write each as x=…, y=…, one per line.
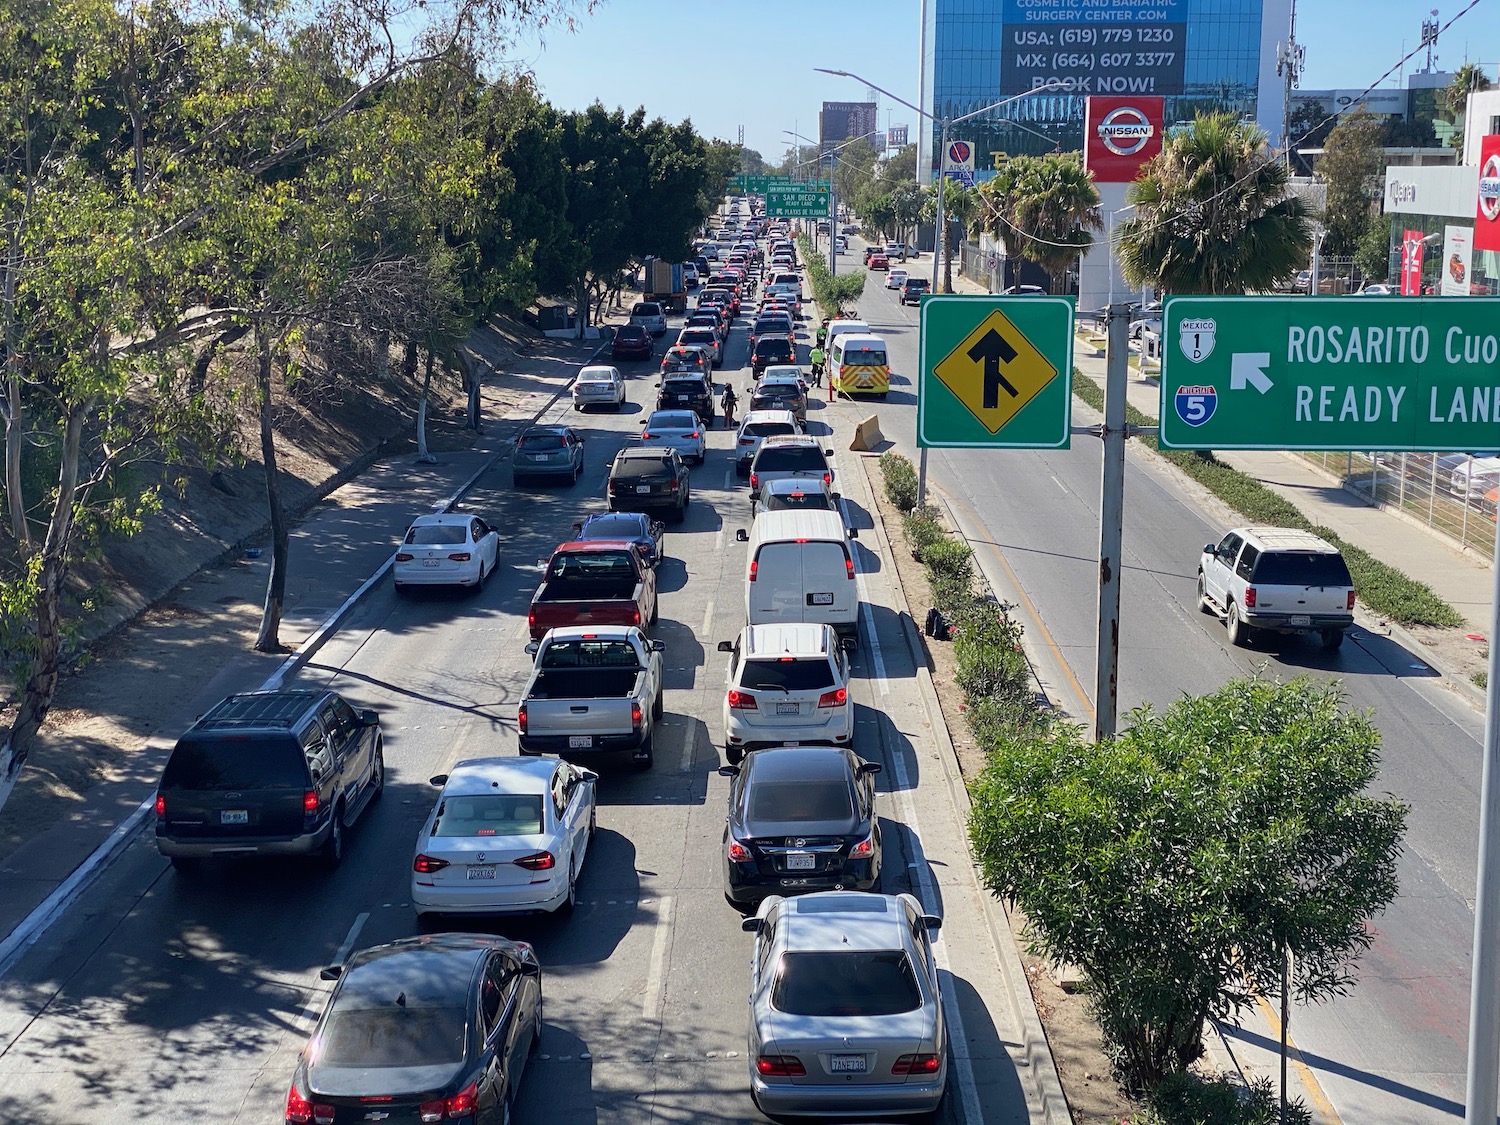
x=599, y=385
x=705, y=338
x=508, y=836
x=448, y=549
x=681, y=430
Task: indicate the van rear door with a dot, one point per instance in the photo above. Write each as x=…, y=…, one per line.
x=808, y=582
x=830, y=593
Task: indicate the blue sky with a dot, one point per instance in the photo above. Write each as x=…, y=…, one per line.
x=751, y=63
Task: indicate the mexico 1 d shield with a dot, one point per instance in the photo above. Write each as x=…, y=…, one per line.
x=1196, y=338
x=1196, y=405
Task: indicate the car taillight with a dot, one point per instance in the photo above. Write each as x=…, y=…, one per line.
x=161, y=805
x=428, y=865
x=780, y=1066
x=827, y=478
x=694, y=434
x=635, y=617
x=1249, y=597
x=302, y=1110
x=647, y=437
x=635, y=714
x=521, y=718
x=754, y=566
x=916, y=1064
x=741, y=700
x=676, y=484
x=309, y=800
x=754, y=480
x=531, y=613
x=403, y=556
x=747, y=441
x=738, y=853
x=539, y=861
x=864, y=849
x=463, y=1103
x=1350, y=605
x=459, y=556
x=835, y=698
x=848, y=568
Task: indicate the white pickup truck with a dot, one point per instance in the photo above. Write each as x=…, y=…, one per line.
x=593, y=690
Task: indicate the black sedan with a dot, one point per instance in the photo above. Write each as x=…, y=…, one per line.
x=636, y=528
x=427, y=1029
x=801, y=818
x=632, y=341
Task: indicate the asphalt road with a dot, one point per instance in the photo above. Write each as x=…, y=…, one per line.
x=1394, y=1049
x=161, y=997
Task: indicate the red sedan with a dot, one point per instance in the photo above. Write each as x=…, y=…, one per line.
x=632, y=341
x=879, y=262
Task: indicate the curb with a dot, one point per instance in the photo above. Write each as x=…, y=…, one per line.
x=1049, y=1102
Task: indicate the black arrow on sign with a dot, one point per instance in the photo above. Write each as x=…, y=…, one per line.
x=994, y=349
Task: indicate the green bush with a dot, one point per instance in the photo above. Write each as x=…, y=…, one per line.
x=987, y=648
x=1188, y=1099
x=900, y=481
x=950, y=560
x=922, y=529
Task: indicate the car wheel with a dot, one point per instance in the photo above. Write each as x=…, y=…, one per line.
x=401, y=590
x=187, y=864
x=429, y=923
x=1239, y=632
x=577, y=471
x=483, y=575
x=659, y=705
x=1332, y=639
x=681, y=513
x=744, y=909
x=577, y=406
x=1204, y=606
x=593, y=827
x=571, y=902
x=734, y=755
x=333, y=848
x=377, y=770
x=645, y=757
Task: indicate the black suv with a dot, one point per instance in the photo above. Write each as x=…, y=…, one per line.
x=769, y=350
x=687, y=392
x=649, y=478
x=269, y=773
x=914, y=289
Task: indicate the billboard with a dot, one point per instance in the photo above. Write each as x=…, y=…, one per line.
x=843, y=121
x=958, y=162
x=1453, y=277
x=895, y=136
x=1094, y=46
x=1411, y=263
x=1120, y=135
x=1487, y=206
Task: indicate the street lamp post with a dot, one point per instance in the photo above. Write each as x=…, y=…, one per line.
x=833, y=200
x=1109, y=256
x=940, y=241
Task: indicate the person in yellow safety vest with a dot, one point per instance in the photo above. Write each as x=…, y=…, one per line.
x=817, y=358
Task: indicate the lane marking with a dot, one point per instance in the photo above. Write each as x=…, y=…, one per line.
x=348, y=947
x=719, y=540
x=654, y=993
x=867, y=615
x=708, y=620
x=309, y=1013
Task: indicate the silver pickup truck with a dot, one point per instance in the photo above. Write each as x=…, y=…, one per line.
x=593, y=690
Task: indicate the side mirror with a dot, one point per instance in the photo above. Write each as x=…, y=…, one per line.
x=647, y=421
x=750, y=925
x=741, y=535
x=1210, y=548
x=656, y=646
x=853, y=533
x=932, y=921
x=828, y=453
x=849, y=644
x=532, y=648
x=369, y=718
x=729, y=771
x=870, y=767
x=331, y=972
x=726, y=646
x=438, y=780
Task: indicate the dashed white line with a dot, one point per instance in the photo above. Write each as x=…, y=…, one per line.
x=708, y=620
x=651, y=1001
x=348, y=947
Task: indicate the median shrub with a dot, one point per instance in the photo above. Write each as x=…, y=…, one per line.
x=900, y=481
x=922, y=529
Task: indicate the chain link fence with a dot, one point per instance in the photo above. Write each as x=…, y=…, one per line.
x=1453, y=493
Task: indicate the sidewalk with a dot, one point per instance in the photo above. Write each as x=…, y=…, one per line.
x=165, y=670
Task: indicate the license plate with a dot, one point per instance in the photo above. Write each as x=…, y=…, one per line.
x=234, y=816
x=801, y=861
x=643, y=488
x=543, y=456
x=819, y=599
x=788, y=709
x=432, y=562
x=1301, y=619
x=485, y=872
x=580, y=741
x=847, y=1064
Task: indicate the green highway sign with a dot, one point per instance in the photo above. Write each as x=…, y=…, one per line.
x=799, y=201
x=760, y=185
x=1331, y=373
x=997, y=372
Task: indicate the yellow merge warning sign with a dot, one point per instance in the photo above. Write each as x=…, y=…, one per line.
x=995, y=371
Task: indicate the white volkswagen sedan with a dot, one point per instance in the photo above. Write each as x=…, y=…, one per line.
x=446, y=549
x=599, y=385
x=508, y=836
x=681, y=430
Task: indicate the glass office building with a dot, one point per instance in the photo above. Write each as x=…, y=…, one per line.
x=1198, y=54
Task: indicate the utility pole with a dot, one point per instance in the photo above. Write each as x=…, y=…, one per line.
x=1289, y=60
x=1111, y=523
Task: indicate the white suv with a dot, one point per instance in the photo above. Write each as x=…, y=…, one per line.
x=788, y=685
x=1277, y=579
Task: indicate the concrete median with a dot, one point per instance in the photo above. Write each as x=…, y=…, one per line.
x=867, y=435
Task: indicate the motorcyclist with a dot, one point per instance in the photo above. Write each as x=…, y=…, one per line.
x=728, y=401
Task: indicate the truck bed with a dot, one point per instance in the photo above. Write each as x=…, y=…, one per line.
x=585, y=683
x=588, y=589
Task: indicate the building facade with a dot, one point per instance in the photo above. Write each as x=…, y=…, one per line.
x=844, y=121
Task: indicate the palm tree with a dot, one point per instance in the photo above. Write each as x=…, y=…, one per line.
x=1213, y=214
x=1468, y=79
x=962, y=206
x=1045, y=208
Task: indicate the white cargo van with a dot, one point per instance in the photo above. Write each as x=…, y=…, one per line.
x=837, y=328
x=801, y=569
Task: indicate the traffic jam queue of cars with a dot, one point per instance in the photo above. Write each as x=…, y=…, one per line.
x=845, y=1013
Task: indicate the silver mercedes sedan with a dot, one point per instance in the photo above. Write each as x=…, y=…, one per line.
x=846, y=1015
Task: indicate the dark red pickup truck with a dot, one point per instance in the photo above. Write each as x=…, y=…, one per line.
x=593, y=582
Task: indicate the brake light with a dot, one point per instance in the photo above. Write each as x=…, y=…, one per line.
x=827, y=478
x=916, y=1064
x=463, y=1103
x=848, y=568
x=1249, y=597
x=741, y=700
x=780, y=1066
x=635, y=714
x=428, y=865
x=676, y=484
x=864, y=849
x=835, y=698
x=695, y=433
x=521, y=719
x=635, y=617
x=754, y=480
x=403, y=556
x=1348, y=606
x=754, y=565
x=739, y=853
x=459, y=556
x=309, y=800
x=647, y=437
x=161, y=805
x=531, y=618
x=301, y=1110
x=538, y=861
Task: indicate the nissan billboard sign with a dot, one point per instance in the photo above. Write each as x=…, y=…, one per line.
x=1120, y=135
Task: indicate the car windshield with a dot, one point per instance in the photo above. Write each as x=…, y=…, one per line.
x=586, y=653
x=672, y=420
x=816, y=800
x=797, y=501
x=768, y=429
x=541, y=443
x=864, y=357
x=778, y=390
x=435, y=534
x=235, y=763
x=697, y=335
x=394, y=1035
x=489, y=814
x=627, y=467
x=793, y=458
x=682, y=387
x=646, y=309
x=631, y=332
x=853, y=983
x=586, y=566
x=596, y=377
x=1301, y=568
x=788, y=673
x=622, y=525
x=773, y=347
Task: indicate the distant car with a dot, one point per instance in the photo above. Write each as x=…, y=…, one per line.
x=849, y=228
x=871, y=251
x=435, y=1028
x=846, y=1008
x=707, y=319
x=1302, y=283
x=547, y=451
x=681, y=430
x=1275, y=579
x=770, y=350
x=638, y=529
x=756, y=426
x=631, y=341
x=446, y=549
x=506, y=836
x=1377, y=290
x=649, y=478
x=1023, y=291
x=797, y=456
x=788, y=685
x=599, y=386
x=705, y=338
x=880, y=261
x=781, y=393
x=822, y=795
x=1139, y=328
x=686, y=359
x=914, y=290
x=690, y=275
x=651, y=316
x=896, y=279
x=771, y=324
x=687, y=390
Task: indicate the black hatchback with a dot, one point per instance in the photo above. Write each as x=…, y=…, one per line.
x=649, y=478
x=432, y=1028
x=801, y=818
x=687, y=392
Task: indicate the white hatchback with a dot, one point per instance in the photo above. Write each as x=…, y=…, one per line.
x=507, y=836
x=447, y=549
x=788, y=685
x=681, y=430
